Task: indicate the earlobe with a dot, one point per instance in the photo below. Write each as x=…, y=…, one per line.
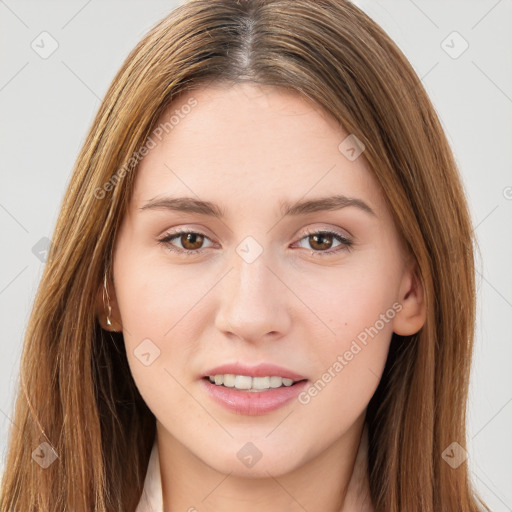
x=107, y=311
x=411, y=318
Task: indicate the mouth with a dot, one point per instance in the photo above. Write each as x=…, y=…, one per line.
x=252, y=389
x=251, y=384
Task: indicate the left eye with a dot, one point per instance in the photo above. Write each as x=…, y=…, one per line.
x=191, y=242
x=317, y=238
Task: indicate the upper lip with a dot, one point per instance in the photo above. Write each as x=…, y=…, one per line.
x=261, y=370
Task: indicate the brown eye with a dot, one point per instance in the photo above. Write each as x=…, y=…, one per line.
x=320, y=241
x=191, y=241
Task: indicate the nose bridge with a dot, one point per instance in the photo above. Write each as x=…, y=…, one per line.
x=251, y=280
x=252, y=298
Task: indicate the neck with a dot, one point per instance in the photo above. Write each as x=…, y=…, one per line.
x=321, y=483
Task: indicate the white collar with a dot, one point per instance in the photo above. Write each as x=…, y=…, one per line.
x=151, y=499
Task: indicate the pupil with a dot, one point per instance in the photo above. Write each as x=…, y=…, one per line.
x=190, y=238
x=316, y=237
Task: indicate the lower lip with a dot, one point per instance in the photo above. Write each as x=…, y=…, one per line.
x=253, y=403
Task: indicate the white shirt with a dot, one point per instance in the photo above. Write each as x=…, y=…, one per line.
x=151, y=499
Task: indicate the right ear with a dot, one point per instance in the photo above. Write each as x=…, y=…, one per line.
x=103, y=300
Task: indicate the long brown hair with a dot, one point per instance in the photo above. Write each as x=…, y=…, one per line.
x=76, y=392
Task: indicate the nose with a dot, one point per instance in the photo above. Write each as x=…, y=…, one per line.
x=253, y=302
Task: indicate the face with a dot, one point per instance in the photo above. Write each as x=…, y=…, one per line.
x=317, y=292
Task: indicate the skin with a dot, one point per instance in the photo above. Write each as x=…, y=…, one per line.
x=247, y=147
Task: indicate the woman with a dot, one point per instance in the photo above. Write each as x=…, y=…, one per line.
x=260, y=291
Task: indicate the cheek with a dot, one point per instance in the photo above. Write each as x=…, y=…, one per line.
x=350, y=369
x=155, y=307
x=349, y=362
x=155, y=299
x=358, y=310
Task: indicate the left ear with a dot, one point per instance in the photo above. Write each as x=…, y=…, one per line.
x=411, y=318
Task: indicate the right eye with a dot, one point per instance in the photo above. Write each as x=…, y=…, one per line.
x=188, y=239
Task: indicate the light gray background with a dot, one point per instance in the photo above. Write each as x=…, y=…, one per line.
x=47, y=106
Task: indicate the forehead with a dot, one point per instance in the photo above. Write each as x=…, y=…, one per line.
x=238, y=144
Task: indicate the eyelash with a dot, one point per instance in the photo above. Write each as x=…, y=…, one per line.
x=346, y=244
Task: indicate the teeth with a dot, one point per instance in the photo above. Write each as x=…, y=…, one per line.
x=249, y=383
x=229, y=380
x=242, y=382
x=275, y=382
x=261, y=382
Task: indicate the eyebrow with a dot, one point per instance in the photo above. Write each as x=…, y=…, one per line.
x=287, y=208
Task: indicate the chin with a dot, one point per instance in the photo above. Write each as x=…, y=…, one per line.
x=248, y=461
